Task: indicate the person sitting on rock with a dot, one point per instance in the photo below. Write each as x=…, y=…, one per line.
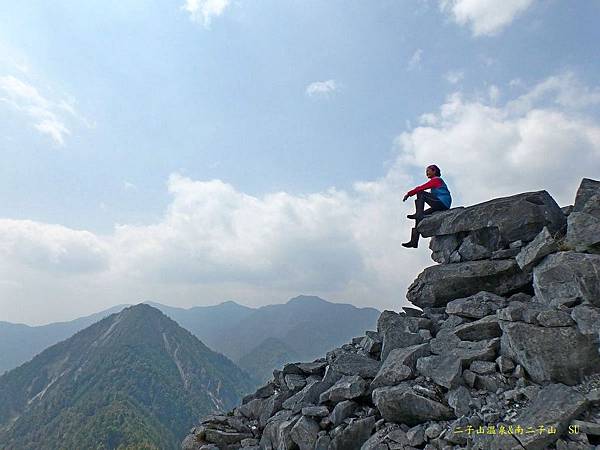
x=439, y=199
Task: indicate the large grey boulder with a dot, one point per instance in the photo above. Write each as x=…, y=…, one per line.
x=555, y=406
x=459, y=400
x=397, y=339
x=543, y=244
x=587, y=318
x=277, y=433
x=390, y=434
x=354, y=435
x=476, y=306
x=518, y=217
x=400, y=331
x=583, y=230
x=347, y=388
x=399, y=365
x=342, y=411
x=447, y=343
x=442, y=247
x=348, y=363
x=496, y=442
x=402, y=404
x=568, y=278
x=445, y=370
x=479, y=244
x=438, y=285
x=479, y=330
x=550, y=354
x=304, y=433
x=311, y=393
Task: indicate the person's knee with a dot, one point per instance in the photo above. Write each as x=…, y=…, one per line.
x=421, y=194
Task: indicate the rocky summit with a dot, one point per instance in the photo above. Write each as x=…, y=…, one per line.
x=502, y=354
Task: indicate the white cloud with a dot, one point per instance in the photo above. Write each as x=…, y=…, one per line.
x=485, y=17
x=215, y=242
x=563, y=90
x=528, y=143
x=321, y=88
x=47, y=115
x=454, y=76
x=203, y=11
x=415, y=60
x=52, y=248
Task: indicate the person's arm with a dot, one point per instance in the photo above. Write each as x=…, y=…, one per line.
x=433, y=183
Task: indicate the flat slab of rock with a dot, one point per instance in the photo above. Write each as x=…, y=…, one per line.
x=476, y=306
x=550, y=354
x=556, y=406
x=445, y=370
x=315, y=411
x=437, y=285
x=354, y=364
x=313, y=368
x=347, y=388
x=479, y=330
x=224, y=438
x=554, y=318
x=448, y=343
x=518, y=217
x=403, y=405
x=568, y=276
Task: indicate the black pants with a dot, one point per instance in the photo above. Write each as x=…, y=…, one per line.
x=435, y=204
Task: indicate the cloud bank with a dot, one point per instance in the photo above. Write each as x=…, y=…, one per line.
x=215, y=242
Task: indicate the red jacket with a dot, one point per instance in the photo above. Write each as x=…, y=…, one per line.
x=433, y=183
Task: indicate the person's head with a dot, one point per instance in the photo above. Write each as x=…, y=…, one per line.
x=433, y=171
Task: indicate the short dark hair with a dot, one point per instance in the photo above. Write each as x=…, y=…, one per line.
x=436, y=169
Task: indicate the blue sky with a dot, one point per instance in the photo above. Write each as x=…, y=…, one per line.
x=196, y=151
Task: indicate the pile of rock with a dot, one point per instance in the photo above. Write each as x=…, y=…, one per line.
x=503, y=355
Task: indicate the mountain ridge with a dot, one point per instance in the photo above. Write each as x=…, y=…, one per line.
x=137, y=368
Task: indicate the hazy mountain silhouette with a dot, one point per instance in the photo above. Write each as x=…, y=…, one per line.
x=257, y=339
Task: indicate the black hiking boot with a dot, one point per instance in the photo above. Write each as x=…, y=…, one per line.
x=414, y=240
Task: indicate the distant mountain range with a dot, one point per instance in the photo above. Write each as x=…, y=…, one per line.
x=133, y=380
x=257, y=339
x=20, y=343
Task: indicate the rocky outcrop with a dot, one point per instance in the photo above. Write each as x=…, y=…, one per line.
x=504, y=353
x=491, y=229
